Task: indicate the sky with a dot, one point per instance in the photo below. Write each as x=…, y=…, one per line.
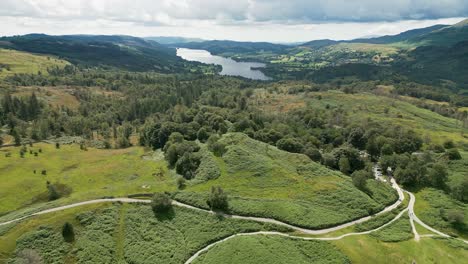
x=243, y=20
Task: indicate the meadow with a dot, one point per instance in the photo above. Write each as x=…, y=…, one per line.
x=367, y=249
x=23, y=62
x=87, y=174
x=122, y=233
x=272, y=249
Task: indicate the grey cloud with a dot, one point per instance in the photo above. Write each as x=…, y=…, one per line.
x=171, y=12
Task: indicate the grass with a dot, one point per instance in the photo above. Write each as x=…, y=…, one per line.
x=264, y=181
x=432, y=206
x=271, y=249
x=400, y=230
x=54, y=96
x=90, y=174
x=24, y=62
x=458, y=170
x=366, y=249
x=123, y=233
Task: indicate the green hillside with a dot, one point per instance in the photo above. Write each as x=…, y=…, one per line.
x=123, y=52
x=262, y=180
x=119, y=233
x=16, y=62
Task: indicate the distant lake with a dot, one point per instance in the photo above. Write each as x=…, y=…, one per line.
x=230, y=66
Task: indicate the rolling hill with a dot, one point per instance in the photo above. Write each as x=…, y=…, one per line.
x=124, y=52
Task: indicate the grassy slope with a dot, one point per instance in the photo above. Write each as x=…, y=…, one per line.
x=430, y=202
x=54, y=96
x=116, y=233
x=366, y=249
x=272, y=249
x=363, y=106
x=91, y=174
x=24, y=62
x=264, y=181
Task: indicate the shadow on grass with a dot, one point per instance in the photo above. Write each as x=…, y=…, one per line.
x=167, y=215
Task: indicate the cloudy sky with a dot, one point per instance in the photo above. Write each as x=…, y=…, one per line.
x=249, y=20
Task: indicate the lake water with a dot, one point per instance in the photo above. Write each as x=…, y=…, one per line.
x=230, y=66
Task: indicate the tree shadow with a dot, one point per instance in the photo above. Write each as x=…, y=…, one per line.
x=167, y=215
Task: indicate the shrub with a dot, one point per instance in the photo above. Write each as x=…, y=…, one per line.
x=289, y=144
x=181, y=182
x=161, y=203
x=217, y=200
x=449, y=144
x=52, y=192
x=218, y=149
x=453, y=154
x=455, y=217
x=68, y=233
x=344, y=165
x=313, y=154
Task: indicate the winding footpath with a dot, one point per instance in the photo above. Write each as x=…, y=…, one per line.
x=409, y=210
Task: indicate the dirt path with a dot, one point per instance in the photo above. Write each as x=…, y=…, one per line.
x=257, y=219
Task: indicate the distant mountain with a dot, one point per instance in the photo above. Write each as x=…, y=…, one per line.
x=125, y=52
x=414, y=33
x=446, y=36
x=227, y=46
x=399, y=37
x=173, y=40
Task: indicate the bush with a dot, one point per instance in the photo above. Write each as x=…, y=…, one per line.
x=449, y=144
x=313, y=154
x=68, y=233
x=218, y=200
x=290, y=144
x=53, y=194
x=453, y=154
x=218, y=149
x=180, y=183
x=161, y=203
x=455, y=217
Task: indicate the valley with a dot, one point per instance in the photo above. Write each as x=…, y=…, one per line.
x=121, y=149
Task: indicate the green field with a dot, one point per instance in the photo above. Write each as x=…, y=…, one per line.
x=264, y=181
x=366, y=249
x=271, y=249
x=24, y=62
x=118, y=233
x=89, y=174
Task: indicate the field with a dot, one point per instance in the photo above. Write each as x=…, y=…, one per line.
x=264, y=181
x=117, y=233
x=272, y=249
x=23, y=62
x=87, y=174
x=366, y=249
x=53, y=96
